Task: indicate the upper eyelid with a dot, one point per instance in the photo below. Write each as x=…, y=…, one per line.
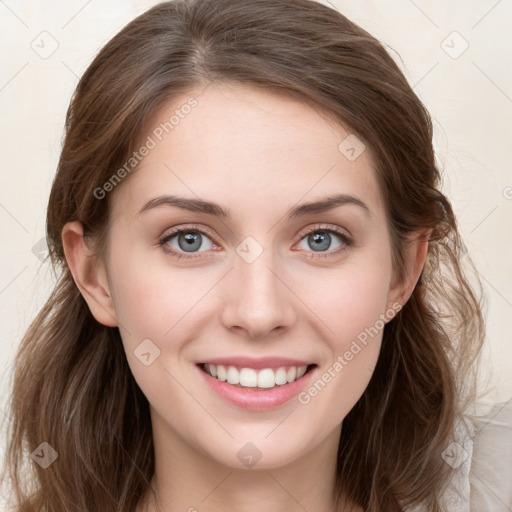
x=331, y=228
x=191, y=227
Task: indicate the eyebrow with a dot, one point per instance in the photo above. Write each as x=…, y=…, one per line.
x=211, y=208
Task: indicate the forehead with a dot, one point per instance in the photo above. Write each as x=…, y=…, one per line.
x=248, y=146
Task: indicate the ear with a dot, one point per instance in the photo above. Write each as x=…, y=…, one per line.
x=89, y=274
x=415, y=253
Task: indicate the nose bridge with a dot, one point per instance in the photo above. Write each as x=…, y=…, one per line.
x=257, y=300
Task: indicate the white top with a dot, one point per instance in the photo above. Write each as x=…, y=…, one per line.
x=481, y=458
x=490, y=475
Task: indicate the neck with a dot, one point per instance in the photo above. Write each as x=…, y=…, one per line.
x=186, y=480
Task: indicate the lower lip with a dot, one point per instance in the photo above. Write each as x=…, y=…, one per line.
x=257, y=399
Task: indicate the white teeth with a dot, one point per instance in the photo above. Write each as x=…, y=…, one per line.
x=281, y=376
x=251, y=378
x=233, y=375
x=301, y=370
x=221, y=372
x=248, y=377
x=266, y=378
x=291, y=374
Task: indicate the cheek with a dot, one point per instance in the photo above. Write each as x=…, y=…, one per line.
x=154, y=313
x=149, y=298
x=350, y=300
x=352, y=306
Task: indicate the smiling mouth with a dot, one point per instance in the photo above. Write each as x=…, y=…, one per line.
x=264, y=378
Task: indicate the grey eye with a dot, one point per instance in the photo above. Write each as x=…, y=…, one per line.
x=189, y=241
x=320, y=241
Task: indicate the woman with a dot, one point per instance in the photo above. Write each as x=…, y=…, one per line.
x=260, y=303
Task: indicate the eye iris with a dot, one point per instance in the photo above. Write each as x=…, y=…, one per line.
x=192, y=241
x=321, y=240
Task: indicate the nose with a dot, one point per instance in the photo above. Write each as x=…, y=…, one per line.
x=257, y=299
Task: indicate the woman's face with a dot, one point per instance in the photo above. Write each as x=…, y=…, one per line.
x=261, y=281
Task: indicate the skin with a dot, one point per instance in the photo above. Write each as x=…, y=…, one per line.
x=257, y=154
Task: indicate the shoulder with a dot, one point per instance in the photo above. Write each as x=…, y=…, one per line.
x=491, y=465
x=480, y=455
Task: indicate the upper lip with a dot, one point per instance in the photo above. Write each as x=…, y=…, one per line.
x=257, y=363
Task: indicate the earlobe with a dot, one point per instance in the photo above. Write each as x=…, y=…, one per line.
x=415, y=254
x=89, y=274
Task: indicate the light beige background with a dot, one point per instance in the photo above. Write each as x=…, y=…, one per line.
x=469, y=96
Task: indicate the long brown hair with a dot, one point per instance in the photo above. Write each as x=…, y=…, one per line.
x=72, y=386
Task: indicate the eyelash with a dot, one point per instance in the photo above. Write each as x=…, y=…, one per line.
x=345, y=239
